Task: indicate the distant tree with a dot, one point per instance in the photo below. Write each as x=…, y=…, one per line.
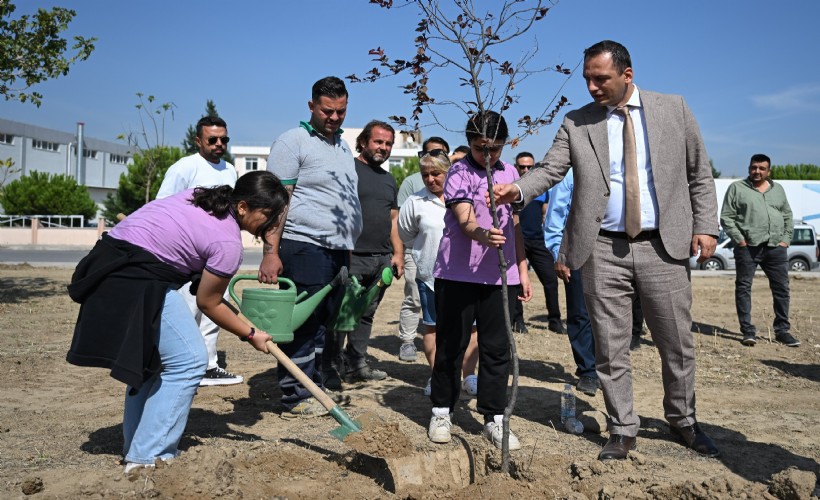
x=130, y=194
x=7, y=169
x=715, y=172
x=189, y=144
x=149, y=141
x=410, y=167
x=40, y=193
x=801, y=172
x=32, y=50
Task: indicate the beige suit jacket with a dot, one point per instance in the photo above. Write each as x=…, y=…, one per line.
x=684, y=186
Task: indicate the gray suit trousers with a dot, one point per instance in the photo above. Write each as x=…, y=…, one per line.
x=616, y=271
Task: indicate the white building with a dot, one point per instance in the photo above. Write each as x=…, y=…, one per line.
x=406, y=145
x=54, y=152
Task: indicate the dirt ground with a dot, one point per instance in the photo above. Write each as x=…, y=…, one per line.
x=60, y=432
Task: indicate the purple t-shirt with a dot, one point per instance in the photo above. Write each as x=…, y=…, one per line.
x=461, y=258
x=184, y=236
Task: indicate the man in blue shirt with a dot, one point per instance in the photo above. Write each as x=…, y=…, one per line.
x=541, y=260
x=579, y=329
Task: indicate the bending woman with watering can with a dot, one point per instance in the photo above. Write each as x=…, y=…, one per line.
x=133, y=321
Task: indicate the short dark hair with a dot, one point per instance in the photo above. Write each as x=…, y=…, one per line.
x=759, y=157
x=209, y=121
x=462, y=149
x=620, y=56
x=487, y=124
x=368, y=131
x=436, y=139
x=523, y=154
x=329, y=86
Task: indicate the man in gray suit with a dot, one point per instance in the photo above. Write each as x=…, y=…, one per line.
x=644, y=202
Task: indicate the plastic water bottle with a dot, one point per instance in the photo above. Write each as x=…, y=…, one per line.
x=567, y=403
x=571, y=424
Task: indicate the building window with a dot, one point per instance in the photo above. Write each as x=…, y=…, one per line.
x=45, y=145
x=395, y=163
x=121, y=159
x=6, y=139
x=251, y=163
x=90, y=153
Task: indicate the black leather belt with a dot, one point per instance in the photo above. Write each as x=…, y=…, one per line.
x=642, y=236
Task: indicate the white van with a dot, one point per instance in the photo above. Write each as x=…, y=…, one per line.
x=803, y=252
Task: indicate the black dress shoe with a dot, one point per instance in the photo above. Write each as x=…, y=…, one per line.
x=519, y=327
x=617, y=447
x=635, y=342
x=694, y=437
x=556, y=327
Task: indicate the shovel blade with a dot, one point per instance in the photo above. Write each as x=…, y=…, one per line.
x=346, y=424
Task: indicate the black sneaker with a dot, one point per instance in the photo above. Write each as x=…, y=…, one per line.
x=787, y=339
x=588, y=385
x=365, y=374
x=556, y=327
x=750, y=339
x=219, y=376
x=331, y=380
x=519, y=327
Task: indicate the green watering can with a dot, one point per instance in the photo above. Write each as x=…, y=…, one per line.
x=279, y=311
x=357, y=299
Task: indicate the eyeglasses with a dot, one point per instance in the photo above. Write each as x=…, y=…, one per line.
x=433, y=152
x=212, y=140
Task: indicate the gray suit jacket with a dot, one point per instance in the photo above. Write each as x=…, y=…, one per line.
x=685, y=189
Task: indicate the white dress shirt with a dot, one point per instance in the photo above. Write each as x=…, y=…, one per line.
x=614, y=217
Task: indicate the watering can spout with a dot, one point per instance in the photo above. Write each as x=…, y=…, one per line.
x=303, y=309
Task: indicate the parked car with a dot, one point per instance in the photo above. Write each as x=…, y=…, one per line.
x=802, y=252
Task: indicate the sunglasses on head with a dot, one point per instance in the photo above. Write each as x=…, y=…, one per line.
x=212, y=140
x=433, y=152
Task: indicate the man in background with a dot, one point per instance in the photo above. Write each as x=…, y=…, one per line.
x=757, y=217
x=204, y=169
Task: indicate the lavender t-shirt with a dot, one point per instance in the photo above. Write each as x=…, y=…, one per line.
x=184, y=236
x=461, y=258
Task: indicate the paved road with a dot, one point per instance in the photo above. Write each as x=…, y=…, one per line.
x=69, y=257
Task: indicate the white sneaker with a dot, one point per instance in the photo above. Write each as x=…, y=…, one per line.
x=494, y=431
x=439, y=430
x=132, y=466
x=427, y=388
x=470, y=385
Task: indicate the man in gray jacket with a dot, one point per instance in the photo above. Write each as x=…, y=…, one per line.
x=758, y=218
x=644, y=201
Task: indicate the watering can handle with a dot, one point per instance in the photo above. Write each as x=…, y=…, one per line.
x=240, y=277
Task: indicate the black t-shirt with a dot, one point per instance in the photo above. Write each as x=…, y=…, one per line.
x=377, y=194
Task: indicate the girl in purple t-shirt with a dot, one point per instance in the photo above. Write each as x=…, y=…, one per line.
x=468, y=284
x=132, y=319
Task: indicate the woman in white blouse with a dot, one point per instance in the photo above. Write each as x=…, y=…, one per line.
x=421, y=224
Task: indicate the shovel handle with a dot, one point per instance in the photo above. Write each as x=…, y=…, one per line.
x=299, y=375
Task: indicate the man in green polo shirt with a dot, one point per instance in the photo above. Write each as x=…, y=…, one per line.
x=758, y=218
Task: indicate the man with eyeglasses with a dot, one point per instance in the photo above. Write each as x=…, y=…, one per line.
x=411, y=305
x=206, y=169
x=541, y=260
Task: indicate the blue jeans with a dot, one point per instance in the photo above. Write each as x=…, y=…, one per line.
x=579, y=329
x=427, y=298
x=156, y=414
x=775, y=264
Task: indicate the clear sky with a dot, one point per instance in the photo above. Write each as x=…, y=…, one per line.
x=749, y=70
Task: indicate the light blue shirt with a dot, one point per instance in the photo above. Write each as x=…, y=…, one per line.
x=614, y=216
x=560, y=196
